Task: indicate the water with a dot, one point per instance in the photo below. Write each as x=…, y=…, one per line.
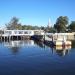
x=34, y=58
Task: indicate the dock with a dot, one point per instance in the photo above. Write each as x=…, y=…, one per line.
x=19, y=34
x=51, y=39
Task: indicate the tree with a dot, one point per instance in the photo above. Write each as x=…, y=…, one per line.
x=13, y=24
x=61, y=24
x=27, y=27
x=72, y=26
x=42, y=28
x=52, y=30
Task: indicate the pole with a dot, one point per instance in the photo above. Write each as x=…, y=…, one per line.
x=44, y=36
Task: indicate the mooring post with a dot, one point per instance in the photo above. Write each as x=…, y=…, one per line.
x=1, y=38
x=44, y=36
x=21, y=37
x=9, y=38
x=4, y=38
x=12, y=37
x=52, y=38
x=17, y=37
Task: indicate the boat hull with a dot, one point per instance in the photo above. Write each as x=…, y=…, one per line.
x=63, y=43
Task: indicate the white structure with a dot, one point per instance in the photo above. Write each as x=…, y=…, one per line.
x=22, y=32
x=62, y=42
x=18, y=32
x=60, y=39
x=49, y=23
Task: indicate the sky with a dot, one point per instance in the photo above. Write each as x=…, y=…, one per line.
x=36, y=12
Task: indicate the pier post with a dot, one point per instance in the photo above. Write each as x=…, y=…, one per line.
x=44, y=36
x=1, y=38
x=17, y=37
x=4, y=39
x=9, y=38
x=21, y=37
x=52, y=38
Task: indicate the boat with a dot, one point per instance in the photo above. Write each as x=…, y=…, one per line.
x=62, y=41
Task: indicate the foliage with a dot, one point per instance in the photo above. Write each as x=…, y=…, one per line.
x=30, y=27
x=13, y=24
x=72, y=26
x=52, y=30
x=61, y=24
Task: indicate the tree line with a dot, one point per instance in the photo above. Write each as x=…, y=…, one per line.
x=15, y=25
x=61, y=25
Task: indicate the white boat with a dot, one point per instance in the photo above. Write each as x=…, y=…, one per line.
x=61, y=41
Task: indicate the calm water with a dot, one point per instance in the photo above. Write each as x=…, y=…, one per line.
x=34, y=58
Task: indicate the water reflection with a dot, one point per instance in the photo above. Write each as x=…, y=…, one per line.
x=16, y=45
x=59, y=50
x=28, y=57
x=40, y=44
x=62, y=51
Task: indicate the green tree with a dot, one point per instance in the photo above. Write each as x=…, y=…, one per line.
x=61, y=24
x=30, y=27
x=72, y=26
x=13, y=24
x=27, y=27
x=42, y=27
x=52, y=30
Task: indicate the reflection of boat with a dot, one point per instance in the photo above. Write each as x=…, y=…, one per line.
x=19, y=43
x=61, y=47
x=62, y=51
